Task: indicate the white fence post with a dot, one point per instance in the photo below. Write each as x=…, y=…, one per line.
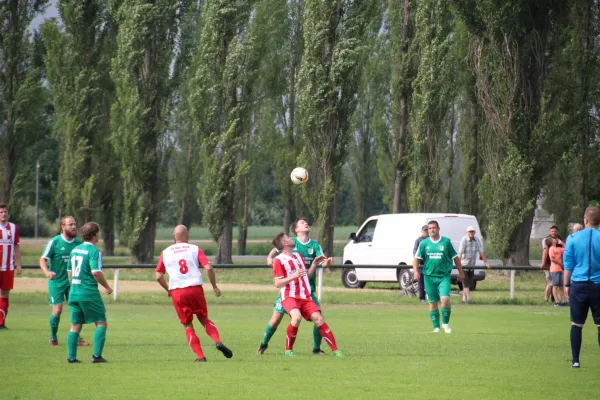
x=116, y=285
x=319, y=284
x=512, y=283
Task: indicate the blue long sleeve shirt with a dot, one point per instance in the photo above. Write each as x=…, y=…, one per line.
x=582, y=256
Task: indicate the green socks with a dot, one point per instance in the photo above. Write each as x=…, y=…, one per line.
x=435, y=318
x=269, y=332
x=54, y=321
x=99, y=339
x=446, y=315
x=317, y=338
x=72, y=339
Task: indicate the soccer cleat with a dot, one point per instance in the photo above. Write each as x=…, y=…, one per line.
x=338, y=353
x=262, y=348
x=436, y=330
x=74, y=361
x=96, y=360
x=447, y=328
x=203, y=359
x=82, y=343
x=3, y=326
x=223, y=349
x=289, y=353
x=318, y=352
x=557, y=304
x=53, y=342
x=575, y=364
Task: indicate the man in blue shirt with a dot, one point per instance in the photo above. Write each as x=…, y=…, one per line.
x=582, y=274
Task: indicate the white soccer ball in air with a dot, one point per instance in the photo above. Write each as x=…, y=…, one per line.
x=299, y=176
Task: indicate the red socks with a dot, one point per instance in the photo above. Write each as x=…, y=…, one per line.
x=3, y=310
x=211, y=330
x=328, y=336
x=290, y=337
x=194, y=342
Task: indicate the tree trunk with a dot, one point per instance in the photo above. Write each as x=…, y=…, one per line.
x=6, y=181
x=518, y=247
x=327, y=217
x=451, y=162
x=187, y=201
x=143, y=253
x=108, y=224
x=224, y=247
x=243, y=225
x=287, y=219
x=402, y=128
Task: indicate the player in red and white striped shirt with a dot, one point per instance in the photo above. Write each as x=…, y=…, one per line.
x=10, y=260
x=182, y=261
x=291, y=277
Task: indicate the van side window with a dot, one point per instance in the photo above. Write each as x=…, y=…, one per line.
x=367, y=232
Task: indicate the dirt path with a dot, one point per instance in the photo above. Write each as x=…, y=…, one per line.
x=41, y=285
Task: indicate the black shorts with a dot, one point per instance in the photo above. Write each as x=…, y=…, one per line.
x=584, y=296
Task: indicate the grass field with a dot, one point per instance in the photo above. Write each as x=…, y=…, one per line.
x=494, y=352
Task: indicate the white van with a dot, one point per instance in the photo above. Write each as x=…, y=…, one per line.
x=389, y=240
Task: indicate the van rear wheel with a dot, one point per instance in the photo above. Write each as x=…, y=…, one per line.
x=350, y=280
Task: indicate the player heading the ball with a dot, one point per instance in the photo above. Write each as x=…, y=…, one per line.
x=290, y=275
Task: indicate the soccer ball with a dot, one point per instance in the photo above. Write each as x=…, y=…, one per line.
x=299, y=176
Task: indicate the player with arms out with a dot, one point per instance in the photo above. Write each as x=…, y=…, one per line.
x=10, y=260
x=308, y=249
x=437, y=254
x=182, y=261
x=85, y=303
x=291, y=278
x=54, y=263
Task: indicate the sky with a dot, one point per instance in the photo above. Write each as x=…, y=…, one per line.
x=51, y=12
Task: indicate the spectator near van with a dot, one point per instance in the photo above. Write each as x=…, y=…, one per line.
x=388, y=240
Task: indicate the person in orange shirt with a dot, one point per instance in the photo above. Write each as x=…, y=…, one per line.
x=556, y=271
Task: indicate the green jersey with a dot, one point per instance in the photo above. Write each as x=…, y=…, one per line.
x=85, y=259
x=309, y=251
x=437, y=256
x=57, y=251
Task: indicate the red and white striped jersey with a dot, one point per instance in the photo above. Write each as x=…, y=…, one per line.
x=182, y=261
x=284, y=266
x=9, y=237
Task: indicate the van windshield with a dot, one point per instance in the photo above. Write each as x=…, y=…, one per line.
x=367, y=233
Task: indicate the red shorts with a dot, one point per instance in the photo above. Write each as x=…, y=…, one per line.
x=188, y=302
x=307, y=307
x=7, y=279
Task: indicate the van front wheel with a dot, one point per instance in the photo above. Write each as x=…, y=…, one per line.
x=350, y=280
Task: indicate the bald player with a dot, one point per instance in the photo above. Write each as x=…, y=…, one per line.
x=182, y=261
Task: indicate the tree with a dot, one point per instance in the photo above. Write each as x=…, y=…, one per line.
x=333, y=60
x=433, y=103
x=21, y=97
x=370, y=129
x=141, y=72
x=403, y=47
x=510, y=60
x=219, y=102
x=77, y=68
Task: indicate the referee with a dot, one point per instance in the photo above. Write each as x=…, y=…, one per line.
x=582, y=268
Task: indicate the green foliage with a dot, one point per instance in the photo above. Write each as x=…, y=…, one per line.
x=433, y=100
x=140, y=70
x=77, y=59
x=22, y=99
x=333, y=59
x=507, y=195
